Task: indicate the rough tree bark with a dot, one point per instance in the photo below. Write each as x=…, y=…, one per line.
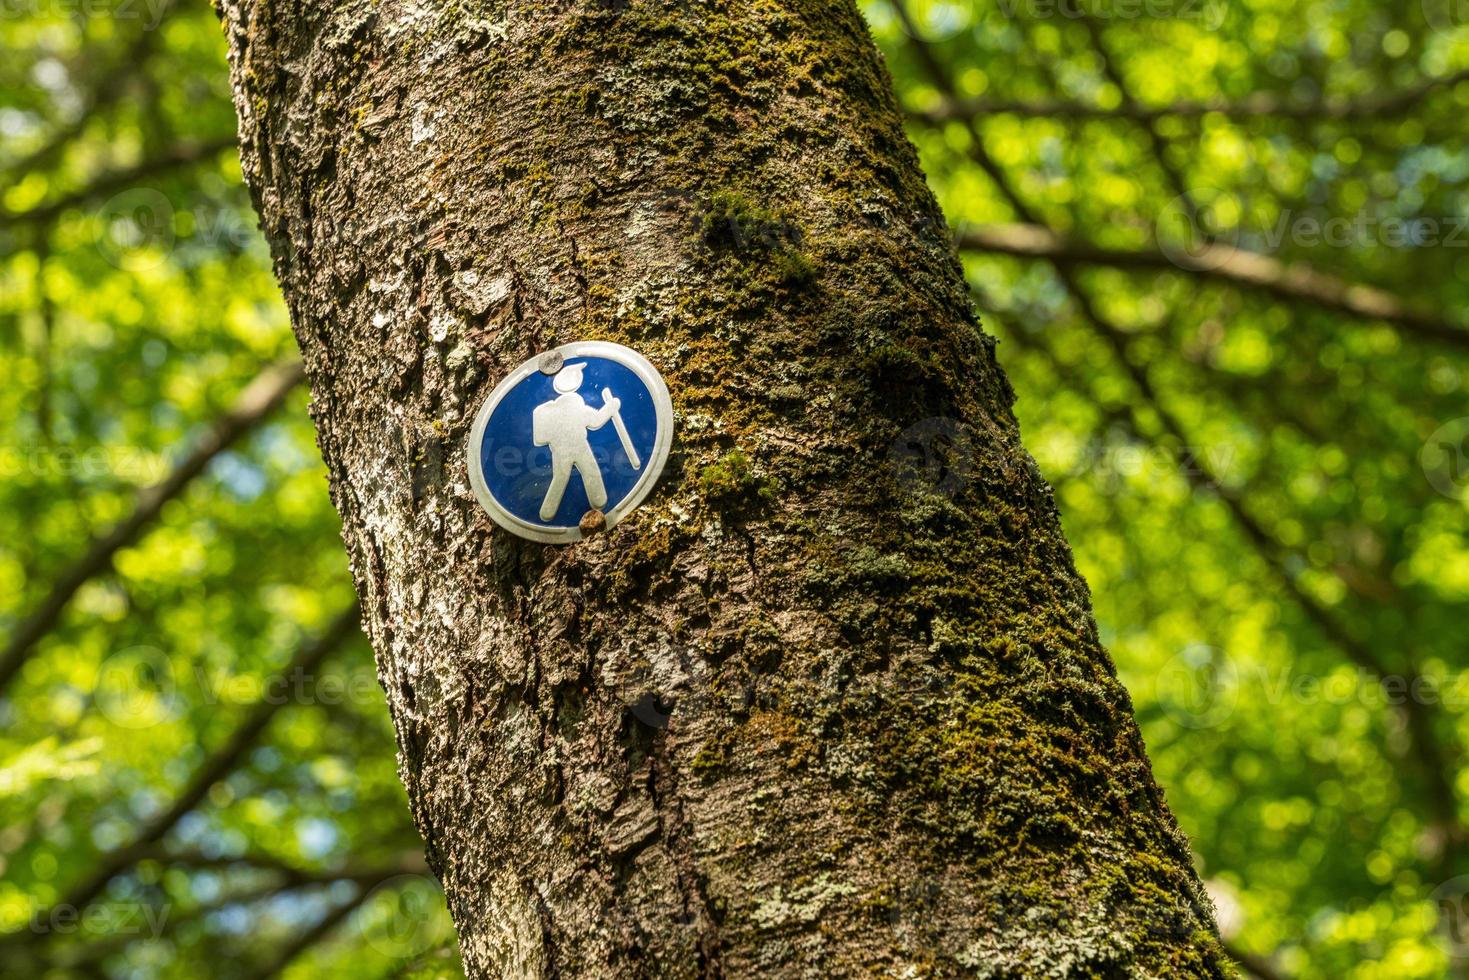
x=810, y=711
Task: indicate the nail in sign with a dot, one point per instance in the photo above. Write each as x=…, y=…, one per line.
x=584, y=427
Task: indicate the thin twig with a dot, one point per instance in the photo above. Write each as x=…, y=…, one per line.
x=1156, y=140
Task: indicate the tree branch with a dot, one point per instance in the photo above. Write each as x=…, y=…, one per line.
x=977, y=150
x=179, y=156
x=219, y=764
x=314, y=935
x=1156, y=140
x=109, y=85
x=1256, y=966
x=288, y=875
x=1255, y=106
x=1227, y=264
x=1428, y=751
x=257, y=401
x=289, y=879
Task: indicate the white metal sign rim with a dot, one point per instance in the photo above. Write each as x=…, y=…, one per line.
x=663, y=408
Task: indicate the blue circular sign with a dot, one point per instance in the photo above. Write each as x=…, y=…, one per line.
x=584, y=427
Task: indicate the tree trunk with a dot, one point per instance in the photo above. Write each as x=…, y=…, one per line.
x=821, y=707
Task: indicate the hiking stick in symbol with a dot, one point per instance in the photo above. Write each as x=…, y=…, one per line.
x=627, y=447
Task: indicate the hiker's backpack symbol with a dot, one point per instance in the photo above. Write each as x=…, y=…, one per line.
x=585, y=427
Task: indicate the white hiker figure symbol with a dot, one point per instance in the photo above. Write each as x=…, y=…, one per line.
x=562, y=424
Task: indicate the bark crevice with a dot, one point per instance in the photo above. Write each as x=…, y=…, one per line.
x=700, y=912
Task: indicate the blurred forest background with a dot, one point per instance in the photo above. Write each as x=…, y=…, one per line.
x=1225, y=246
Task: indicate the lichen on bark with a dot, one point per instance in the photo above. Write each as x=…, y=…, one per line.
x=806, y=712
